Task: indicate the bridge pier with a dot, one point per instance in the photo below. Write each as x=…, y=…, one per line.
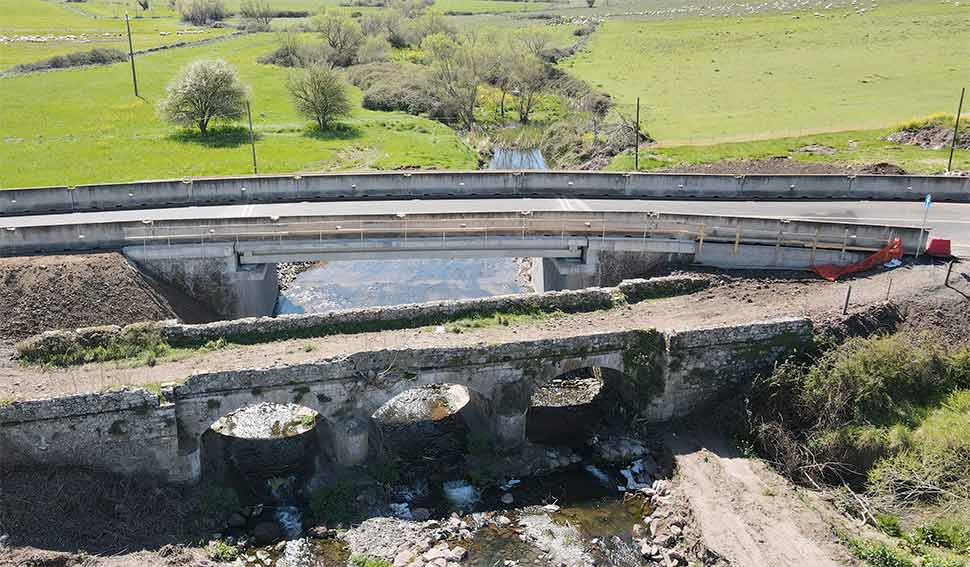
x=608, y=262
x=213, y=275
x=350, y=442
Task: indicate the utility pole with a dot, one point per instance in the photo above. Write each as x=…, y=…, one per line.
x=252, y=136
x=131, y=55
x=636, y=134
x=956, y=129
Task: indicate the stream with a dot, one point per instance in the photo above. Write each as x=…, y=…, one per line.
x=327, y=286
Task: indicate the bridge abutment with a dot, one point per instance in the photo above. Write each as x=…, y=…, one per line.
x=213, y=275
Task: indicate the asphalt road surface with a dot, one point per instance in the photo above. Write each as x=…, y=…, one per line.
x=946, y=220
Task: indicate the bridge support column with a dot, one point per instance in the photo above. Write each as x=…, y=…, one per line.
x=350, y=442
x=602, y=267
x=509, y=430
x=212, y=274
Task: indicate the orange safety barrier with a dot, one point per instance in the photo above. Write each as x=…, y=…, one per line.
x=832, y=273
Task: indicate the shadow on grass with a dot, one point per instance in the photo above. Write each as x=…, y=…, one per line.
x=217, y=137
x=336, y=131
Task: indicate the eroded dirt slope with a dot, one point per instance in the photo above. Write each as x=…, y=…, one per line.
x=64, y=292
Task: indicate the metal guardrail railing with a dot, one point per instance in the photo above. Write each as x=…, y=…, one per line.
x=524, y=225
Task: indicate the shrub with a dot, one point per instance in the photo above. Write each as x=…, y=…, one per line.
x=218, y=502
x=97, y=56
x=333, y=503
x=877, y=380
x=374, y=49
x=937, y=465
x=201, y=12
x=393, y=86
x=319, y=94
x=219, y=550
x=293, y=51
x=203, y=91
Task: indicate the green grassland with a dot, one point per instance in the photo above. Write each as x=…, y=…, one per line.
x=84, y=125
x=42, y=18
x=733, y=78
x=858, y=147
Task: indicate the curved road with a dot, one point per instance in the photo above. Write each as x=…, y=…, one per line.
x=947, y=220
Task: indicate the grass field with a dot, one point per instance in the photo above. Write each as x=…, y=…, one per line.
x=84, y=125
x=43, y=18
x=859, y=147
x=773, y=75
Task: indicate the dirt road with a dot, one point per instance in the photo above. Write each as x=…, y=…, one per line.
x=747, y=513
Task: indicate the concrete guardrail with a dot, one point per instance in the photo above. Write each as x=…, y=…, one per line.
x=47, y=239
x=477, y=185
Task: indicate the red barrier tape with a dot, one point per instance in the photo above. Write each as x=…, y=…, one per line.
x=832, y=273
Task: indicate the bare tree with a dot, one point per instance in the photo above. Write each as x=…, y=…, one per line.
x=201, y=12
x=257, y=14
x=342, y=34
x=533, y=40
x=203, y=91
x=320, y=95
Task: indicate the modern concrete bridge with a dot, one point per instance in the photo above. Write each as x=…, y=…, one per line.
x=225, y=253
x=229, y=263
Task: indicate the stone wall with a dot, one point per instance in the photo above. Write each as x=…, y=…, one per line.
x=258, y=329
x=128, y=431
x=668, y=376
x=705, y=364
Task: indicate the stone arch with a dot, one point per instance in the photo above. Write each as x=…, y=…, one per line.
x=288, y=438
x=430, y=421
x=566, y=408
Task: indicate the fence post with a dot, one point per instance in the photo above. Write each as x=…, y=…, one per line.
x=845, y=305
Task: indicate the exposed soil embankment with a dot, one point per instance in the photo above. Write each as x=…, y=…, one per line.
x=931, y=136
x=66, y=292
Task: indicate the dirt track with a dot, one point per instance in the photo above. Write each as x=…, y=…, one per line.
x=749, y=515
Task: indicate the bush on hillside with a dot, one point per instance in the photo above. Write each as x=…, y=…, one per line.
x=865, y=408
x=937, y=463
x=876, y=381
x=201, y=12
x=293, y=51
x=96, y=56
x=393, y=86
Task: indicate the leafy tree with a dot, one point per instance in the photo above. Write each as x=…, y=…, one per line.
x=342, y=34
x=320, y=95
x=529, y=76
x=457, y=66
x=203, y=91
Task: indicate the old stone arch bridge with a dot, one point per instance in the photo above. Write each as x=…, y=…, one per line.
x=664, y=375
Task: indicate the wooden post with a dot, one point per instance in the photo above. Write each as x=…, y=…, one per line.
x=131, y=55
x=956, y=129
x=845, y=305
x=636, y=139
x=252, y=137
